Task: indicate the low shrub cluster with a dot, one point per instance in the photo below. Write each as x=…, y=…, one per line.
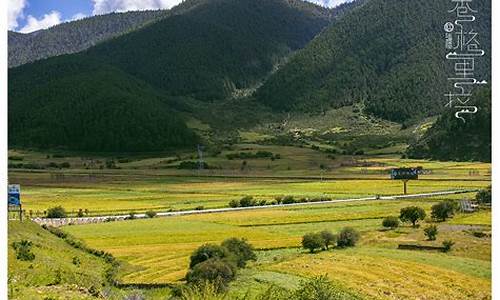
x=250, y=155
x=248, y=201
x=218, y=264
x=56, y=212
x=33, y=166
x=390, y=222
x=347, y=237
x=484, y=196
x=23, y=250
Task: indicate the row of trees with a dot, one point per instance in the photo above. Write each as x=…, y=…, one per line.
x=413, y=214
x=347, y=237
x=248, y=201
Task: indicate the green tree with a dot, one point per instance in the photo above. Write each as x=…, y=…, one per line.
x=329, y=238
x=443, y=210
x=242, y=250
x=312, y=241
x=213, y=270
x=348, y=237
x=412, y=214
x=206, y=252
x=484, y=196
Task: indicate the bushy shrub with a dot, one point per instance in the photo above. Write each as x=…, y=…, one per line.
x=56, y=212
x=241, y=250
x=313, y=241
x=348, y=237
x=431, y=232
x=213, y=270
x=247, y=201
x=151, y=214
x=23, y=250
x=484, y=196
x=288, y=200
x=390, y=222
x=447, y=245
x=443, y=210
x=206, y=252
x=234, y=203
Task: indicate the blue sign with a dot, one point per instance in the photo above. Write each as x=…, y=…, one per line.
x=14, y=194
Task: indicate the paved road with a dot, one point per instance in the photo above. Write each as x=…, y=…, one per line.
x=100, y=219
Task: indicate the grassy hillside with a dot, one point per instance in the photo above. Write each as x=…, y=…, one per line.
x=88, y=105
x=58, y=270
x=386, y=54
x=74, y=36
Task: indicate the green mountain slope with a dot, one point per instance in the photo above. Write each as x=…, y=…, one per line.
x=88, y=105
x=451, y=139
x=388, y=54
x=117, y=96
x=74, y=36
x=215, y=47
x=58, y=271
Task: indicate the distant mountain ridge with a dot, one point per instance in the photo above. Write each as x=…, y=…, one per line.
x=75, y=36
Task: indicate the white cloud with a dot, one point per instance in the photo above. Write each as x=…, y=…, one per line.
x=48, y=20
x=77, y=16
x=329, y=3
x=14, y=11
x=107, y=6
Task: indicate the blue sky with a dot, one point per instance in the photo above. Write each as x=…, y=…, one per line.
x=31, y=15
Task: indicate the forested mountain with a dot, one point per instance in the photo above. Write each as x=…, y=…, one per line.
x=452, y=139
x=117, y=95
x=88, y=105
x=74, y=36
x=387, y=54
x=216, y=47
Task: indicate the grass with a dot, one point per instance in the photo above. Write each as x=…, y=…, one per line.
x=157, y=250
x=53, y=275
x=49, y=274
x=389, y=276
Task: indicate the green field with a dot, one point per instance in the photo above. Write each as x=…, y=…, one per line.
x=154, y=183
x=156, y=251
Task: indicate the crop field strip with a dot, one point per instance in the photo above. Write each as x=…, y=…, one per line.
x=141, y=243
x=103, y=198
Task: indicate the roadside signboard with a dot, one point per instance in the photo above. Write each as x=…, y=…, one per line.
x=405, y=173
x=14, y=194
